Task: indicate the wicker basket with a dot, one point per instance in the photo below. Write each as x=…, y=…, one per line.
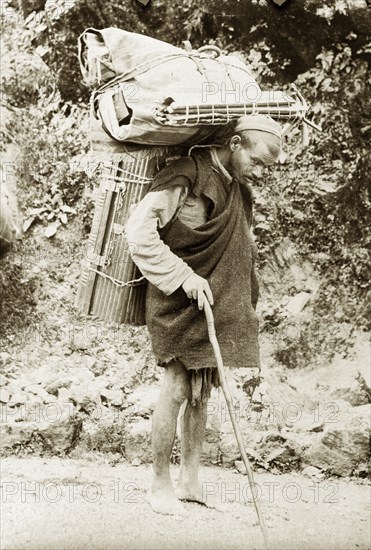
x=111, y=287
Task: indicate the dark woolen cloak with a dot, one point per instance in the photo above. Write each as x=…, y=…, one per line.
x=222, y=251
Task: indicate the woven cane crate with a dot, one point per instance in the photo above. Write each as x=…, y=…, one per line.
x=111, y=287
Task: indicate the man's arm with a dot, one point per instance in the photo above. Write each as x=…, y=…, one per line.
x=154, y=258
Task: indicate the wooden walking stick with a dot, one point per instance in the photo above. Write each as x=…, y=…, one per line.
x=228, y=397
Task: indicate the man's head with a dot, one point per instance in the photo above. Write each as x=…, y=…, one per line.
x=256, y=142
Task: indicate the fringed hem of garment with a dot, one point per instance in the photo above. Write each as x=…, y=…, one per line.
x=208, y=362
x=201, y=380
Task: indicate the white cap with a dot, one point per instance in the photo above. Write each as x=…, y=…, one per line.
x=263, y=123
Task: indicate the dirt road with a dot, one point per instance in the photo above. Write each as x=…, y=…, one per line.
x=95, y=503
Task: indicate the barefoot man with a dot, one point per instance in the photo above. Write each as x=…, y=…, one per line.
x=190, y=236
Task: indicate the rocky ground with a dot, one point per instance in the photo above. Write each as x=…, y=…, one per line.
x=86, y=401
x=95, y=502
x=74, y=384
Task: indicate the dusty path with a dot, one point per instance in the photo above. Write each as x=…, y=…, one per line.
x=94, y=504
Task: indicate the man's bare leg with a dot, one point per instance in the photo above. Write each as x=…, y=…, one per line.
x=174, y=391
x=193, y=428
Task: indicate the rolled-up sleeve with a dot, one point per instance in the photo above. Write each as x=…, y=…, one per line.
x=156, y=261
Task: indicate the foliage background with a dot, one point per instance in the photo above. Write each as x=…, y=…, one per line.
x=318, y=198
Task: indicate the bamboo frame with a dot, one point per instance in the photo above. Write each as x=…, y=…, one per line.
x=111, y=286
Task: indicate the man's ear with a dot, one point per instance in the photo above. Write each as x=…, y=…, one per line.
x=235, y=142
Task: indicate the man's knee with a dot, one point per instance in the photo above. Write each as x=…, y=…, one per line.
x=177, y=381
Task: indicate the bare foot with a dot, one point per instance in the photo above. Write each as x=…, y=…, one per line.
x=164, y=501
x=195, y=493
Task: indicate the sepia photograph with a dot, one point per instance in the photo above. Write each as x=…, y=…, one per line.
x=185, y=275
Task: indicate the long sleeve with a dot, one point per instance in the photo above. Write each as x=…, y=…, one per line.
x=154, y=258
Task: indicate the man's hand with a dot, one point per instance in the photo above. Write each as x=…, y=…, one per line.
x=195, y=287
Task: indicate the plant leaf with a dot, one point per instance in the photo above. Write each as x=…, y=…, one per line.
x=27, y=224
x=68, y=209
x=51, y=230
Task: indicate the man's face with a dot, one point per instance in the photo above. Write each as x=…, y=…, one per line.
x=247, y=163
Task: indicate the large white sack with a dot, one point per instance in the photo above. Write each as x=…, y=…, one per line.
x=137, y=73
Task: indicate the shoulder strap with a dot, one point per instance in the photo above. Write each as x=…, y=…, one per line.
x=247, y=199
x=181, y=171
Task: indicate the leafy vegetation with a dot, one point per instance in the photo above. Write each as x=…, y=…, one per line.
x=319, y=197
x=47, y=166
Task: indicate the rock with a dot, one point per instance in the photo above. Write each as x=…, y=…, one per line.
x=138, y=441
x=50, y=398
x=106, y=393
x=298, y=302
x=355, y=393
x=285, y=252
x=3, y=380
x=14, y=386
x=136, y=462
x=56, y=436
x=86, y=397
x=364, y=377
x=10, y=414
x=18, y=398
x=143, y=400
x=283, y=403
x=301, y=439
x=84, y=375
x=339, y=315
x=102, y=381
x=110, y=355
x=275, y=449
x=229, y=451
x=106, y=435
x=33, y=388
x=344, y=445
x=117, y=398
x=43, y=394
x=16, y=433
x=42, y=376
x=322, y=257
x=79, y=342
x=311, y=471
x=362, y=359
x=210, y=449
x=343, y=381
x=240, y=466
x=64, y=394
x=307, y=423
x=33, y=400
x=4, y=396
x=210, y=453
x=60, y=436
x=28, y=6
x=89, y=362
x=62, y=381
x=5, y=358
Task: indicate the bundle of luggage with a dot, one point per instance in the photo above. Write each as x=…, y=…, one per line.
x=151, y=103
